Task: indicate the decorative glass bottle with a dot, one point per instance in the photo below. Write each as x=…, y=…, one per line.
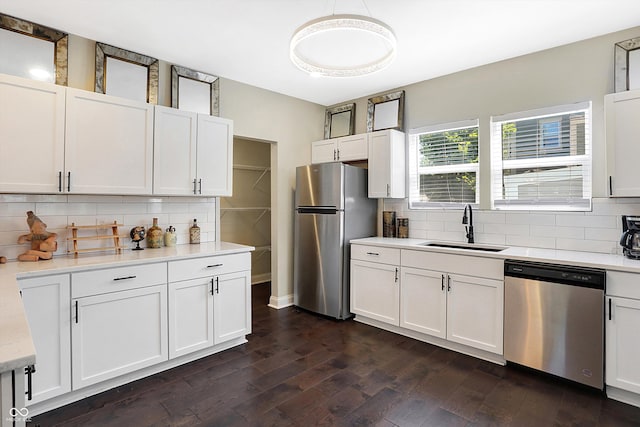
x=194, y=233
x=154, y=235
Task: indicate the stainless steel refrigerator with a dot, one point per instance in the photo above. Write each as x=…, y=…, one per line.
x=332, y=208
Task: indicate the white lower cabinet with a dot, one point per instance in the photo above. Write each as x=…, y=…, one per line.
x=190, y=316
x=622, y=349
x=232, y=306
x=623, y=344
x=47, y=304
x=463, y=303
x=423, y=301
x=117, y=333
x=475, y=309
x=375, y=291
x=209, y=302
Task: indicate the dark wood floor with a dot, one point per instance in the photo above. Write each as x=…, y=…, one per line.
x=299, y=369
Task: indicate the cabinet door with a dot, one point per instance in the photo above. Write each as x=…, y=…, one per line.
x=354, y=147
x=475, y=312
x=423, y=301
x=174, y=151
x=214, y=156
x=108, y=145
x=32, y=118
x=190, y=316
x=386, y=164
x=622, y=344
x=47, y=302
x=375, y=291
x=622, y=129
x=324, y=151
x=232, y=306
x=118, y=333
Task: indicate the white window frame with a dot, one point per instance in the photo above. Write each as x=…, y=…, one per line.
x=415, y=170
x=498, y=164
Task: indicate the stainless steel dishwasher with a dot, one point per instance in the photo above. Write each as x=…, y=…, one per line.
x=554, y=319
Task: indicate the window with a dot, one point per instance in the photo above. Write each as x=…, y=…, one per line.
x=443, y=169
x=541, y=160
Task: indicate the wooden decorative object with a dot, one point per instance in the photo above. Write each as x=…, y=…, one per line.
x=114, y=235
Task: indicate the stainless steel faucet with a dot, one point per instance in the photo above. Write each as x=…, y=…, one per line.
x=469, y=220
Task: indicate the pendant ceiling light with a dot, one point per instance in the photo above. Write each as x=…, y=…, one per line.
x=343, y=46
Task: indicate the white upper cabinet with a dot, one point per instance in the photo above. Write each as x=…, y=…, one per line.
x=622, y=128
x=344, y=149
x=386, y=164
x=193, y=153
x=32, y=116
x=215, y=156
x=174, y=151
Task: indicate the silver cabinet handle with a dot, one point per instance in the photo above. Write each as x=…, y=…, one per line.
x=124, y=278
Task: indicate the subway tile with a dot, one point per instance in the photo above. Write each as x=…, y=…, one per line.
x=490, y=239
x=446, y=235
x=16, y=209
x=530, y=218
x=606, y=234
x=531, y=241
x=577, y=220
x=417, y=234
x=507, y=229
x=490, y=217
x=558, y=232
x=121, y=208
x=13, y=223
x=586, y=245
x=81, y=198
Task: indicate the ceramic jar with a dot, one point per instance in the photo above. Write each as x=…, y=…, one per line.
x=194, y=233
x=154, y=235
x=170, y=237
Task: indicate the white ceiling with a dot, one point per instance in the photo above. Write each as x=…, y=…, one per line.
x=248, y=40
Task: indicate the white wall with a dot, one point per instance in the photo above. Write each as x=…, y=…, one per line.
x=572, y=73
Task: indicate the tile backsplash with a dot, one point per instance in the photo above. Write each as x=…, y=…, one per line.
x=595, y=231
x=60, y=211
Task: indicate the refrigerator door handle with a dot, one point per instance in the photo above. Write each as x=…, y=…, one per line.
x=318, y=210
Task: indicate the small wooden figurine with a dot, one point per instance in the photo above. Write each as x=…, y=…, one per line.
x=43, y=243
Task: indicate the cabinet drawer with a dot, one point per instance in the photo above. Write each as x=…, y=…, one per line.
x=625, y=285
x=376, y=254
x=491, y=268
x=96, y=282
x=208, y=266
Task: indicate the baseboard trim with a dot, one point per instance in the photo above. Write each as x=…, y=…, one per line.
x=281, y=302
x=260, y=278
x=623, y=396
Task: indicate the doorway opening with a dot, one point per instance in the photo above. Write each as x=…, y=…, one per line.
x=245, y=217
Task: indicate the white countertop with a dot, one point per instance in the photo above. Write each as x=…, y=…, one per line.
x=555, y=256
x=16, y=346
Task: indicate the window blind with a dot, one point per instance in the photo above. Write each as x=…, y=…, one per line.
x=443, y=168
x=541, y=159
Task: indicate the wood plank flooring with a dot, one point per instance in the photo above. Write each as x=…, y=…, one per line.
x=299, y=369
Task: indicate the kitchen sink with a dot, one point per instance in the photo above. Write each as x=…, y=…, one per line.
x=466, y=246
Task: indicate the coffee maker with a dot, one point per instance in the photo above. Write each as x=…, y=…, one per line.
x=630, y=240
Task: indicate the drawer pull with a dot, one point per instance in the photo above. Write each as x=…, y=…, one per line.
x=77, y=311
x=373, y=253
x=214, y=265
x=124, y=278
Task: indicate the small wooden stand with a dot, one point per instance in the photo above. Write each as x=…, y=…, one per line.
x=114, y=235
